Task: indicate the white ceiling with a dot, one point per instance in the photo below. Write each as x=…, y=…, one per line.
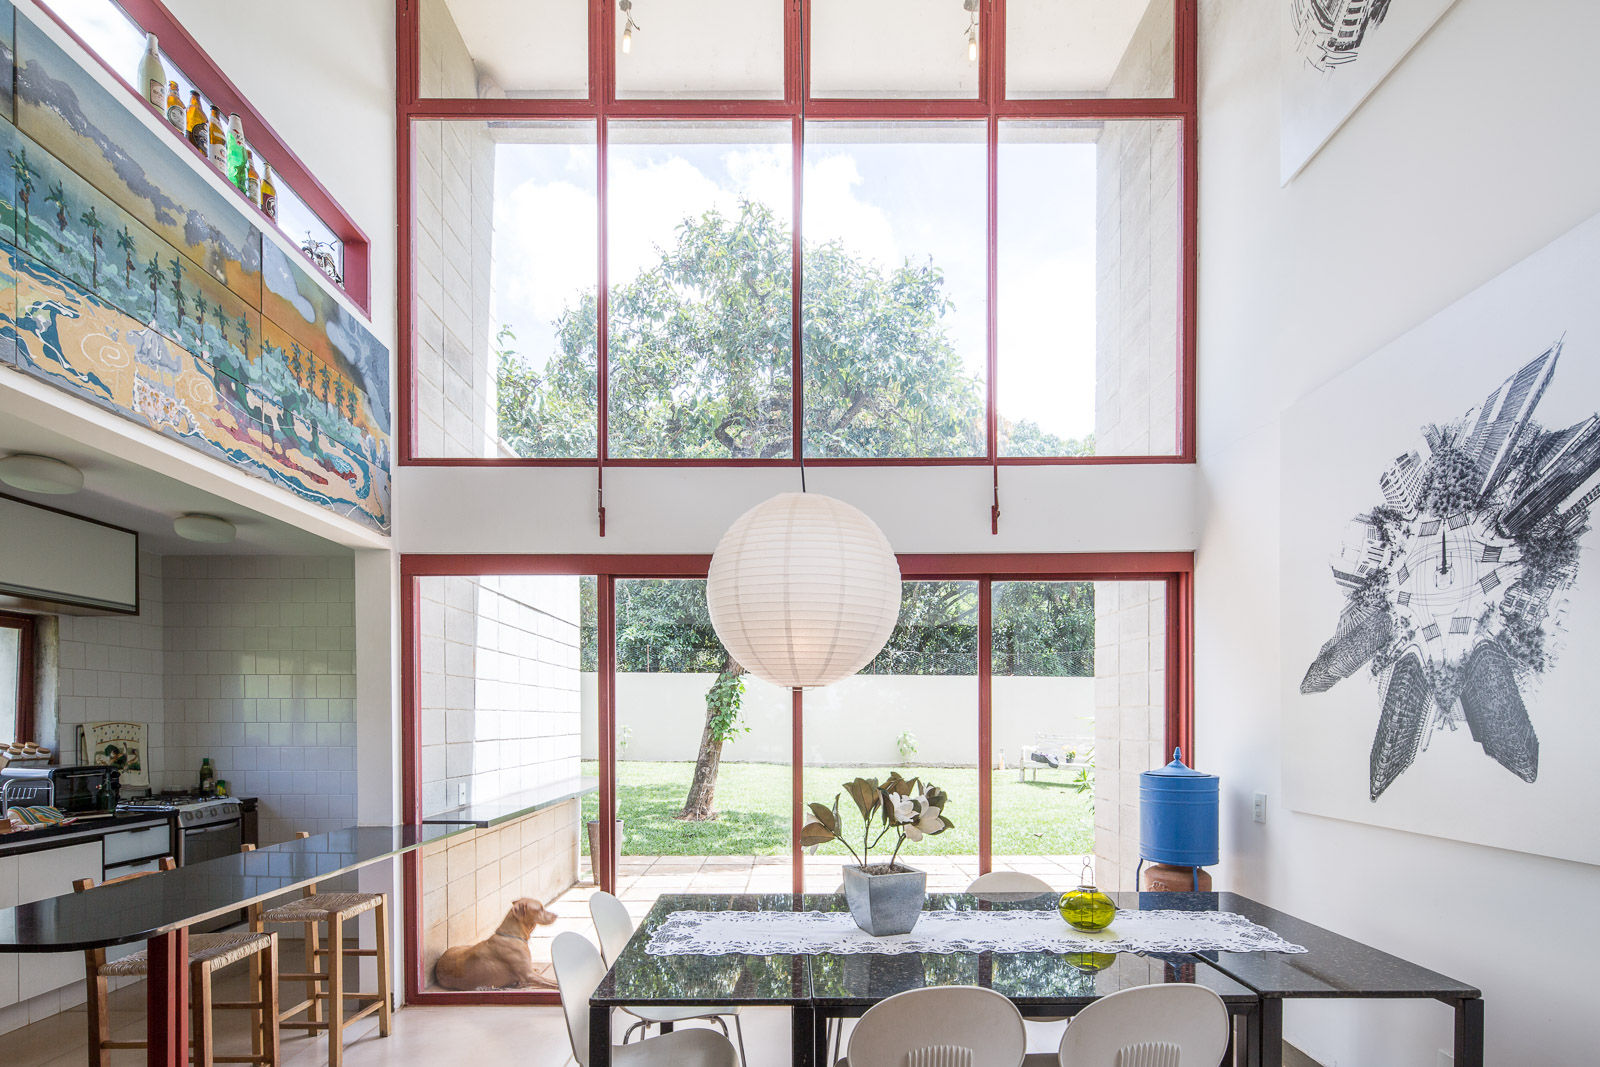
x=126, y=494
x=733, y=48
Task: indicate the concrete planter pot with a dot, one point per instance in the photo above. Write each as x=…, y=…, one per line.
x=885, y=904
x=594, y=847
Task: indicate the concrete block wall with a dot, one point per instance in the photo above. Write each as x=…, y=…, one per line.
x=1130, y=717
x=453, y=169
x=260, y=676
x=469, y=881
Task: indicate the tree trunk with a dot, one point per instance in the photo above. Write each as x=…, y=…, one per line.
x=700, y=805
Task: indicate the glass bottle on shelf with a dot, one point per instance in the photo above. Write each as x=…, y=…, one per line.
x=195, y=122
x=269, y=193
x=252, y=178
x=174, y=105
x=218, y=134
x=208, y=777
x=152, y=76
x=236, y=172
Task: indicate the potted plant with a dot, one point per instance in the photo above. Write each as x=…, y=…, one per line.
x=884, y=898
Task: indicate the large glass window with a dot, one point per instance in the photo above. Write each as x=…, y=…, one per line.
x=699, y=254
x=894, y=289
x=836, y=231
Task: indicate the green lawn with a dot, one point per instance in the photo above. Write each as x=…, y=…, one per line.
x=1045, y=817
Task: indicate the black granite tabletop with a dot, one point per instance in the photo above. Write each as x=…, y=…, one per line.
x=487, y=813
x=640, y=978
x=144, y=907
x=1332, y=965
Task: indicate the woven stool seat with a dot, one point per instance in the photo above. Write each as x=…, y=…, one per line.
x=214, y=950
x=318, y=906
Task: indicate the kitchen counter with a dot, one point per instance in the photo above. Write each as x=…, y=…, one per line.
x=22, y=841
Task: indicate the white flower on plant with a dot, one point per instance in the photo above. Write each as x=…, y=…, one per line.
x=917, y=815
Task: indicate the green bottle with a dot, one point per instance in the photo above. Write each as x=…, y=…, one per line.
x=238, y=172
x=208, y=777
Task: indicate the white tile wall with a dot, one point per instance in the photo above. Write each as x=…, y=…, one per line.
x=113, y=667
x=260, y=676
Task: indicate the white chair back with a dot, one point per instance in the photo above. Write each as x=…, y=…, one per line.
x=1009, y=882
x=1149, y=1026
x=578, y=971
x=612, y=924
x=945, y=1026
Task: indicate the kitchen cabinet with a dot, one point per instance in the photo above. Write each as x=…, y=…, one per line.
x=50, y=873
x=8, y=899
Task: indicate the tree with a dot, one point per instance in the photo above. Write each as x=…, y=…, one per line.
x=177, y=286
x=245, y=333
x=22, y=170
x=700, y=361
x=91, y=220
x=155, y=275
x=125, y=246
x=58, y=197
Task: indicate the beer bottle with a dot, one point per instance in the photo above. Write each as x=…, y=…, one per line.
x=195, y=120
x=218, y=134
x=174, y=105
x=269, y=193
x=236, y=172
x=252, y=178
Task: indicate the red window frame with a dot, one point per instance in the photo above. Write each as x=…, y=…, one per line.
x=1176, y=569
x=152, y=16
x=990, y=105
x=26, y=627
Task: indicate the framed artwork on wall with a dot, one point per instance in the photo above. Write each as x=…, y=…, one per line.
x=1440, y=586
x=1335, y=53
x=120, y=745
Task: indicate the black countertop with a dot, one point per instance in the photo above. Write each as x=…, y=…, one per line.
x=487, y=813
x=1332, y=965
x=24, y=840
x=144, y=907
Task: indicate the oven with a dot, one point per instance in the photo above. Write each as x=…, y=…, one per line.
x=200, y=843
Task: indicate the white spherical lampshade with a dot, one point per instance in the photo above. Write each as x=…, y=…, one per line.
x=803, y=590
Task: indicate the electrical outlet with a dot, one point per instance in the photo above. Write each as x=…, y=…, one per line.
x=1445, y=1059
x=1258, y=808
x=461, y=793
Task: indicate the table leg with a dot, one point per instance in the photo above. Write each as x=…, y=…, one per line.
x=820, y=1029
x=803, y=1035
x=1469, y=1032
x=167, y=1000
x=599, y=1036
x=1268, y=1034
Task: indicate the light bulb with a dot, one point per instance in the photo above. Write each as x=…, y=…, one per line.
x=972, y=47
x=627, y=40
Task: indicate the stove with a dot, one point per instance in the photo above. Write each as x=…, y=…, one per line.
x=189, y=810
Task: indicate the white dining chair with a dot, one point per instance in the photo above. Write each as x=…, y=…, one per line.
x=578, y=972
x=1164, y=1025
x=942, y=1026
x=614, y=926
x=1010, y=883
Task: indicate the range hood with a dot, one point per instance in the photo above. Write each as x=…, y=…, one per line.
x=61, y=563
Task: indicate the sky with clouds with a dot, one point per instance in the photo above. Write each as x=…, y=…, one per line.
x=887, y=202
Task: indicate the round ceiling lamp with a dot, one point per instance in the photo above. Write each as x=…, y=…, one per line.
x=803, y=590
x=207, y=529
x=40, y=474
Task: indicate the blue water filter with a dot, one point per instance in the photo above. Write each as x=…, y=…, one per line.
x=1178, y=815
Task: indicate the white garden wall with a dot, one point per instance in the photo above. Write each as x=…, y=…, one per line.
x=853, y=722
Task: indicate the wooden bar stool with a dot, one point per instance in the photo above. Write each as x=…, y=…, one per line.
x=325, y=983
x=208, y=954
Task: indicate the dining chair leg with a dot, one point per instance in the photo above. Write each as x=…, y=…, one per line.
x=267, y=993
x=200, y=1001
x=386, y=1001
x=738, y=1029
x=98, y=1013
x=313, y=966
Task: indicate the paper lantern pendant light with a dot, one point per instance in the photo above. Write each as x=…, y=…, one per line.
x=803, y=590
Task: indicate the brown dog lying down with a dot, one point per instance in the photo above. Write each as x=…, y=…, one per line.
x=501, y=960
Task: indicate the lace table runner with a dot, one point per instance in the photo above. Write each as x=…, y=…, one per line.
x=782, y=933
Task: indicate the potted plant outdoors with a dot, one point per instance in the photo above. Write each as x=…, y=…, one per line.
x=884, y=898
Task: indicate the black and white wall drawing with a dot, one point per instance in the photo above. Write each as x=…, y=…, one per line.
x=1335, y=53
x=1456, y=584
x=1441, y=599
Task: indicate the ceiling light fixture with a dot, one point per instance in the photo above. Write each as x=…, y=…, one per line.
x=971, y=7
x=207, y=529
x=627, y=30
x=40, y=474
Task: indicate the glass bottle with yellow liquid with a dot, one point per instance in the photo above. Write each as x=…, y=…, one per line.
x=174, y=105
x=217, y=134
x=194, y=121
x=269, y=192
x=252, y=178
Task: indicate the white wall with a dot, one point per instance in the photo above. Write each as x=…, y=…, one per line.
x=1477, y=151
x=666, y=713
